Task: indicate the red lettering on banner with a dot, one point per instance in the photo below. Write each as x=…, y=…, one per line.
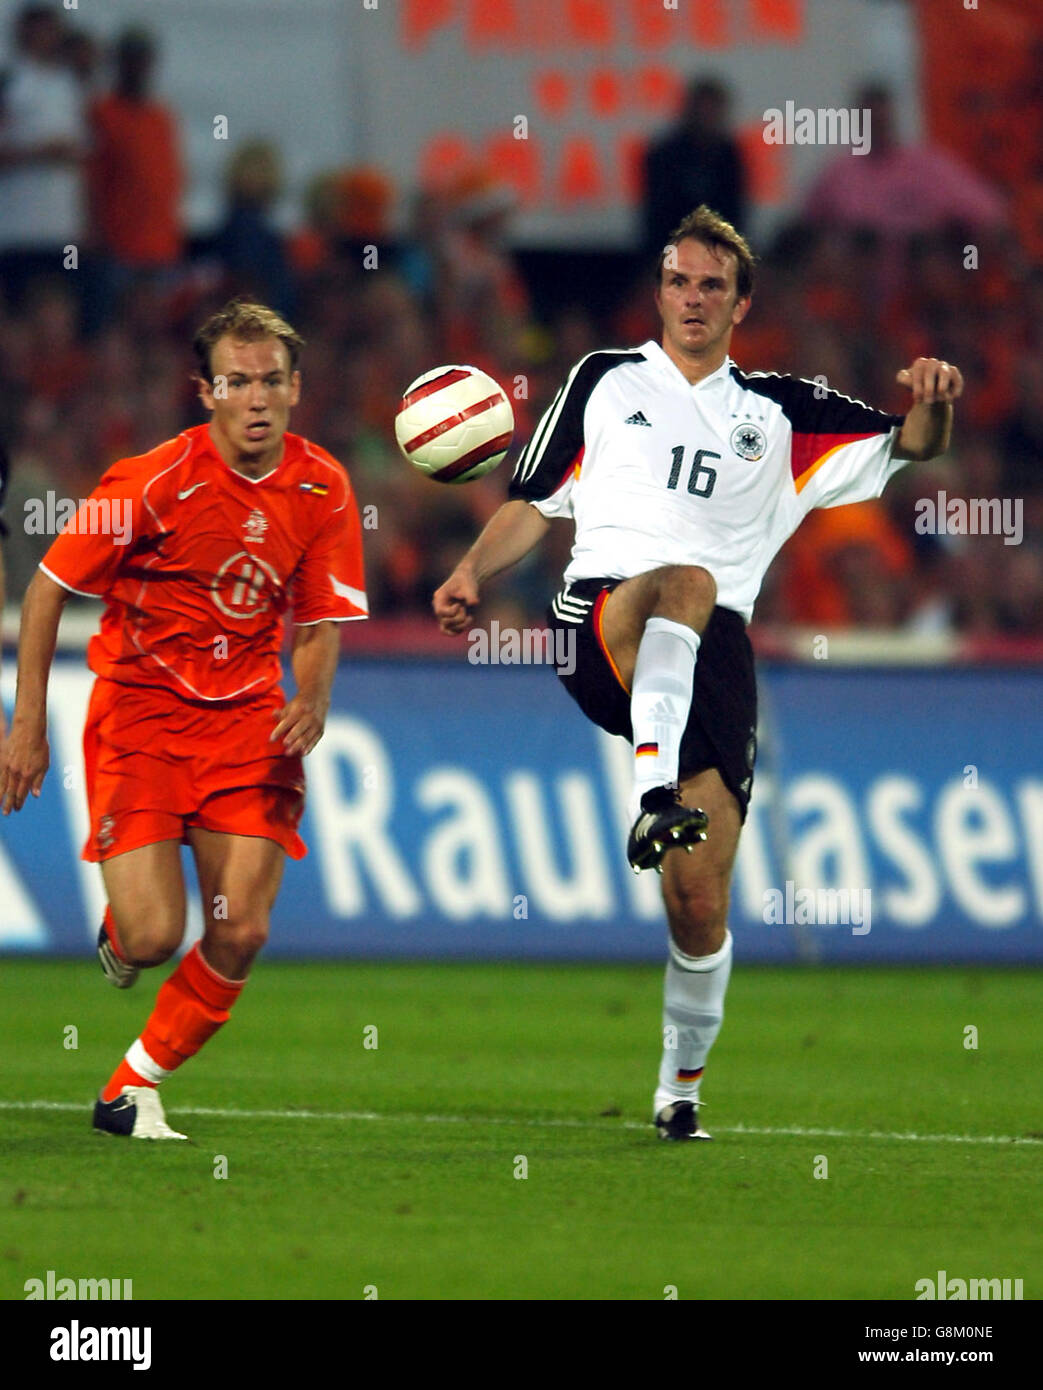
x=659, y=89
x=606, y=92
x=591, y=23
x=496, y=22
x=444, y=155
x=599, y=24
x=420, y=18
x=654, y=27
x=580, y=178
x=573, y=171
x=778, y=19
x=631, y=166
x=517, y=162
x=710, y=24
x=552, y=92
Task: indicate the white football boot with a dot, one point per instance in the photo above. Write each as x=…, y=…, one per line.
x=137, y=1112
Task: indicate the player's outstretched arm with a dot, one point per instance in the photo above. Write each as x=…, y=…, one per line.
x=26, y=757
x=928, y=425
x=510, y=534
x=302, y=721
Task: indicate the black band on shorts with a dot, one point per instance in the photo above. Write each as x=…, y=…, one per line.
x=722, y=724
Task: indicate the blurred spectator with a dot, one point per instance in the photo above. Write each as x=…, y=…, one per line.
x=346, y=211
x=250, y=248
x=82, y=55
x=42, y=146
x=419, y=254
x=483, y=306
x=1021, y=438
x=898, y=190
x=848, y=566
x=698, y=161
x=56, y=362
x=134, y=182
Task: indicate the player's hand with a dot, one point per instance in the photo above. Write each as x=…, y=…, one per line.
x=931, y=381
x=300, y=725
x=454, y=603
x=24, y=760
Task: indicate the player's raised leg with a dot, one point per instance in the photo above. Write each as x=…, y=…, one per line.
x=651, y=627
x=144, y=925
x=696, y=892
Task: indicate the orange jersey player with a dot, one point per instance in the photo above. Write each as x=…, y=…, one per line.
x=198, y=548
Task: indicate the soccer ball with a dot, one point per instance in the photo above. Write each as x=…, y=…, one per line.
x=454, y=424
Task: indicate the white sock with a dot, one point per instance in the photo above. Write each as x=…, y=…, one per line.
x=659, y=703
x=693, y=1009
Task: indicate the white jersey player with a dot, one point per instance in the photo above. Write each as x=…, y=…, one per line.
x=684, y=476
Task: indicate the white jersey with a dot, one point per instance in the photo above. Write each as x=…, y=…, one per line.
x=655, y=471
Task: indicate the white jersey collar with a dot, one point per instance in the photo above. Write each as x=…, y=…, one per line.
x=653, y=351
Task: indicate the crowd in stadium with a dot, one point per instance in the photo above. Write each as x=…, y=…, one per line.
x=902, y=253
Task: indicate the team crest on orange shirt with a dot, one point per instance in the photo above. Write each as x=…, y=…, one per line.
x=255, y=525
x=243, y=586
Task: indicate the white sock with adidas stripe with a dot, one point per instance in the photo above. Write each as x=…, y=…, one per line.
x=660, y=699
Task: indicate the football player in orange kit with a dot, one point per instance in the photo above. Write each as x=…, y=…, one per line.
x=197, y=549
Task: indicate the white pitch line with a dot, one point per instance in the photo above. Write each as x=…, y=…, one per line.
x=788, y=1131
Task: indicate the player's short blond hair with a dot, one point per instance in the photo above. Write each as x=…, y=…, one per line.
x=248, y=322
x=712, y=230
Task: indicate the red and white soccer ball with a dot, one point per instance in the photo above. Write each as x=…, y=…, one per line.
x=454, y=424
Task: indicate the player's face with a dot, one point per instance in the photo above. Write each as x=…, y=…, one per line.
x=251, y=396
x=699, y=304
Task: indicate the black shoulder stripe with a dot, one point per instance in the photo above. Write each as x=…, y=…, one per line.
x=812, y=408
x=558, y=437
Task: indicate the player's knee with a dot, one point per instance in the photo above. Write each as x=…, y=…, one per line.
x=697, y=912
x=149, y=943
x=691, y=589
x=245, y=936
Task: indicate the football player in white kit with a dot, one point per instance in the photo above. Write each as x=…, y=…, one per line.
x=684, y=476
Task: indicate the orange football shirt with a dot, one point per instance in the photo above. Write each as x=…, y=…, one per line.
x=197, y=564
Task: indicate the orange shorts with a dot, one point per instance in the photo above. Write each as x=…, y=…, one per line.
x=158, y=766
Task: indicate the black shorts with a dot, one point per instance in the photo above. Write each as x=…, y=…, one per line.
x=722, y=725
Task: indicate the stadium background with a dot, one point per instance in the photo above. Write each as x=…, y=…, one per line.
x=902, y=755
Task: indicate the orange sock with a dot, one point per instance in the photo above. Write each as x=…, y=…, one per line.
x=124, y=1075
x=190, y=1007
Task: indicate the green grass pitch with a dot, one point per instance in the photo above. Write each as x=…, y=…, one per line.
x=408, y=1180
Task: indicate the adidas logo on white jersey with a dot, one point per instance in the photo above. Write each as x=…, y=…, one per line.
x=637, y=418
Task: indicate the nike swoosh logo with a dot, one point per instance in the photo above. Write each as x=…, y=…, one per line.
x=188, y=491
